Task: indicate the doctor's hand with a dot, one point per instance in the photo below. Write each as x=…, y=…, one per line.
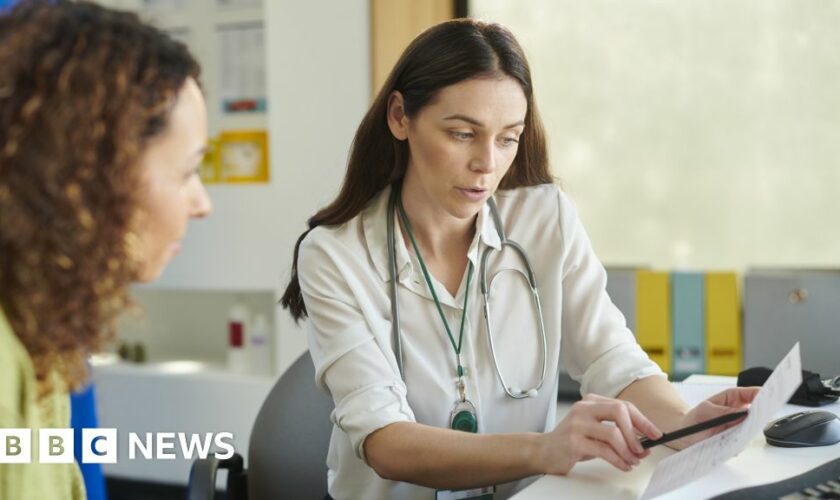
x=728, y=401
x=597, y=427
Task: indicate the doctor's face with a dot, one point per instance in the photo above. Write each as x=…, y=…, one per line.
x=462, y=143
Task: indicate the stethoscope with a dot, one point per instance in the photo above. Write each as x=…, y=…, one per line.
x=465, y=405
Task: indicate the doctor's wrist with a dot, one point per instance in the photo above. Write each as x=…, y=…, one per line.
x=539, y=453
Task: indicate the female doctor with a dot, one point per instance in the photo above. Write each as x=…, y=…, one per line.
x=448, y=173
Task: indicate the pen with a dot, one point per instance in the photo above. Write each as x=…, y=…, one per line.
x=692, y=429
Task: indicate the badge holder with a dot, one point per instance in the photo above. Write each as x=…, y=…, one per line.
x=462, y=417
x=463, y=414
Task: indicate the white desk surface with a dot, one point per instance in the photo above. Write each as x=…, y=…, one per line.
x=758, y=464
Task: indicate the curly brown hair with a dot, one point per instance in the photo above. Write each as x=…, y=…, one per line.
x=82, y=90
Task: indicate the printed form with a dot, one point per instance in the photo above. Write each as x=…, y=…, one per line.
x=696, y=460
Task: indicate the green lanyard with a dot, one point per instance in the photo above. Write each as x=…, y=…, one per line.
x=455, y=347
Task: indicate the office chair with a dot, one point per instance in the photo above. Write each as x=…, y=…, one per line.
x=287, y=451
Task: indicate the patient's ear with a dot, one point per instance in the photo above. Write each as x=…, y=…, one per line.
x=397, y=119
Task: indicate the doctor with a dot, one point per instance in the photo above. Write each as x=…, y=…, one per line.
x=447, y=167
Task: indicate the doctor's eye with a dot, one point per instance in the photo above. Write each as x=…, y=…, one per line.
x=509, y=141
x=461, y=136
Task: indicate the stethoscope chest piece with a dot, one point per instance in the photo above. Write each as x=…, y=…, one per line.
x=462, y=417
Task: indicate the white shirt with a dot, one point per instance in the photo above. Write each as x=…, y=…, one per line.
x=344, y=278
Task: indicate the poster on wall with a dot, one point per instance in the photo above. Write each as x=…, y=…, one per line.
x=241, y=50
x=237, y=157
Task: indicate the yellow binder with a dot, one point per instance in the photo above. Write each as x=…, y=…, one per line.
x=723, y=324
x=653, y=316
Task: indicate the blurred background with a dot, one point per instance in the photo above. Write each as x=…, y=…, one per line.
x=691, y=134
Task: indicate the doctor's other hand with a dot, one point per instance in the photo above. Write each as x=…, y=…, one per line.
x=597, y=427
x=728, y=401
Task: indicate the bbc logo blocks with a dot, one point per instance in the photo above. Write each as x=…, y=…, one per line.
x=55, y=446
x=15, y=446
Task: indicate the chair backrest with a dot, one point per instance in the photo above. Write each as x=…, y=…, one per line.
x=287, y=454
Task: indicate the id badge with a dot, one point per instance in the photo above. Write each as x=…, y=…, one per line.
x=485, y=493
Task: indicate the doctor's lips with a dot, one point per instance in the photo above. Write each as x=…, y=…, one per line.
x=474, y=193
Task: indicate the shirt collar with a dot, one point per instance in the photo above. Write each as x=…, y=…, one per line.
x=374, y=225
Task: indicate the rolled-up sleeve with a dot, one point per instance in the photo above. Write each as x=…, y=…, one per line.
x=598, y=349
x=348, y=347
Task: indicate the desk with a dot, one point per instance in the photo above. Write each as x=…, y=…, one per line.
x=758, y=464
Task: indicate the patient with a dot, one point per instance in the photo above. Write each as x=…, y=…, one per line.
x=102, y=131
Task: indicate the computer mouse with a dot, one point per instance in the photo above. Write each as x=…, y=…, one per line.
x=806, y=428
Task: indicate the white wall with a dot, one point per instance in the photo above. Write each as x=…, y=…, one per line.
x=691, y=134
x=319, y=88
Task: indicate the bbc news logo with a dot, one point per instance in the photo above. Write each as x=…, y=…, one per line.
x=99, y=446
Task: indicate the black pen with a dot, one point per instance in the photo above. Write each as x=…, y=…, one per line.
x=693, y=429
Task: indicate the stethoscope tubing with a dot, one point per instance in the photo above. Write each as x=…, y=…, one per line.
x=485, y=292
x=392, y=259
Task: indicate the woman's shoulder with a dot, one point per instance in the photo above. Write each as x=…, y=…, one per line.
x=547, y=200
x=352, y=235
x=334, y=238
x=325, y=236
x=20, y=407
x=545, y=194
x=17, y=376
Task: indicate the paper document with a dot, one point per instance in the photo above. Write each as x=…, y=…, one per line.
x=696, y=460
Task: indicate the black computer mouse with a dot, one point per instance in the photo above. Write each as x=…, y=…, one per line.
x=806, y=428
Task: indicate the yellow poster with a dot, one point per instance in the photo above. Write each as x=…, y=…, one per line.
x=236, y=157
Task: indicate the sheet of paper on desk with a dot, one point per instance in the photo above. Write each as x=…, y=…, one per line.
x=696, y=460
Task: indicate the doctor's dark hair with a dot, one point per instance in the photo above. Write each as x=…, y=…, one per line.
x=83, y=89
x=446, y=54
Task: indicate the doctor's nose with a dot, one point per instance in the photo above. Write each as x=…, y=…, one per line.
x=483, y=157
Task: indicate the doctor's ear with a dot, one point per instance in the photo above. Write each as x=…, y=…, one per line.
x=397, y=119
